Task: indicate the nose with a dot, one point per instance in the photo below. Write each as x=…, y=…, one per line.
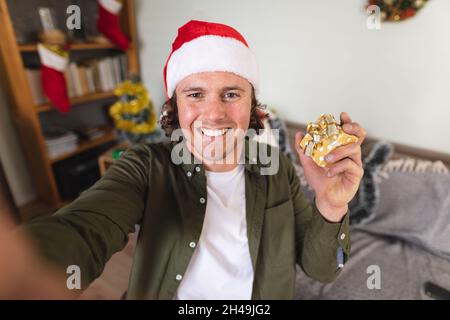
x=215, y=110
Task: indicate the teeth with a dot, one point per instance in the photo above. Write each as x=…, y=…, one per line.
x=214, y=132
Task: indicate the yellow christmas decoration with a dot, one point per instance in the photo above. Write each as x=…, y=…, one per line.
x=133, y=113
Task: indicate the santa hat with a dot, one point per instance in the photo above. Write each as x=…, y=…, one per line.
x=205, y=46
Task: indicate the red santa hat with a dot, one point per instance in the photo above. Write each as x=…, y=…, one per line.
x=205, y=46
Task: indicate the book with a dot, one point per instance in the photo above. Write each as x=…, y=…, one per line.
x=89, y=133
x=34, y=80
x=83, y=79
x=60, y=141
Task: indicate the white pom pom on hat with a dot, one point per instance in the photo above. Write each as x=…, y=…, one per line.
x=202, y=46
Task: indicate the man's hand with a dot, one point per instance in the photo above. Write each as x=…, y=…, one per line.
x=335, y=185
x=22, y=274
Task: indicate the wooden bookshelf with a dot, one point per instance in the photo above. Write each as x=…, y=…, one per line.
x=44, y=107
x=110, y=135
x=73, y=47
x=26, y=115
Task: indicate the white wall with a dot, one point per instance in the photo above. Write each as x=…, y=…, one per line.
x=12, y=157
x=318, y=56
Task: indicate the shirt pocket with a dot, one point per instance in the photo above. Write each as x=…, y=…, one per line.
x=279, y=235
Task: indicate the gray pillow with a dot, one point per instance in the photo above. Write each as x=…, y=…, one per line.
x=414, y=206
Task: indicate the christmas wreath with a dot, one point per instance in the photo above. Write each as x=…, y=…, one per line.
x=398, y=10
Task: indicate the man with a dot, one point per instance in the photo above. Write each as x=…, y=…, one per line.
x=212, y=226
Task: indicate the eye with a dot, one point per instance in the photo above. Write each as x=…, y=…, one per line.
x=195, y=95
x=231, y=95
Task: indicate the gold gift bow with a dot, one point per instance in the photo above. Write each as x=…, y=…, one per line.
x=322, y=137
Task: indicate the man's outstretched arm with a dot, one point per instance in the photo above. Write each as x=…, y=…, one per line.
x=87, y=232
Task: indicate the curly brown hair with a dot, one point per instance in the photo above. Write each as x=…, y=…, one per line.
x=169, y=115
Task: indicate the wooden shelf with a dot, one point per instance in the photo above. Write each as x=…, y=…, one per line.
x=78, y=100
x=110, y=135
x=74, y=47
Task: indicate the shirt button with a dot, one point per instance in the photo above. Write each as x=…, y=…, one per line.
x=197, y=169
x=189, y=174
x=202, y=200
x=178, y=277
x=192, y=244
x=343, y=236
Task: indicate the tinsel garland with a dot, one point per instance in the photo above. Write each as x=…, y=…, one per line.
x=133, y=113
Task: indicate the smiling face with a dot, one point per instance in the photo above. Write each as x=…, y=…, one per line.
x=214, y=113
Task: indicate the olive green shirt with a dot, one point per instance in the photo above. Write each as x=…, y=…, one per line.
x=168, y=201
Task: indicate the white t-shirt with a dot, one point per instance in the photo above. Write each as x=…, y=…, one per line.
x=221, y=266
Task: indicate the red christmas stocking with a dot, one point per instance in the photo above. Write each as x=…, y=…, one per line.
x=108, y=22
x=53, y=63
